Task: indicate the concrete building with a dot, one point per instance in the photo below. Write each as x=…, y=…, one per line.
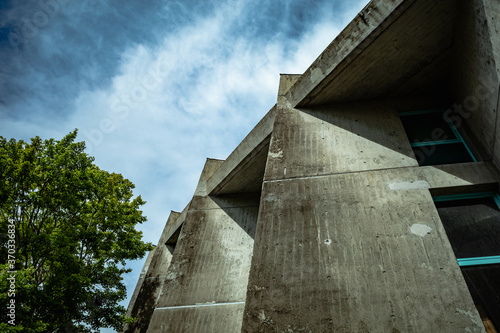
x=364, y=201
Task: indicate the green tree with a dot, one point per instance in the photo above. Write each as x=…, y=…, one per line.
x=74, y=229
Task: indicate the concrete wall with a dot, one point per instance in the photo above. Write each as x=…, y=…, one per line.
x=492, y=13
x=337, y=230
x=359, y=33
x=205, y=285
x=348, y=238
x=342, y=138
x=150, y=283
x=134, y=309
x=475, y=73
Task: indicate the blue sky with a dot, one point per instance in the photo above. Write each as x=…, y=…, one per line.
x=154, y=87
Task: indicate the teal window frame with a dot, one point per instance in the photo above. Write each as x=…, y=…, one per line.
x=459, y=138
x=475, y=261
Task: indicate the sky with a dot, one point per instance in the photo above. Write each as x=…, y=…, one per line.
x=154, y=87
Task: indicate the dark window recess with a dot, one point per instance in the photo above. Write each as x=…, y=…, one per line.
x=442, y=154
x=473, y=228
x=434, y=139
x=427, y=127
x=484, y=284
x=171, y=243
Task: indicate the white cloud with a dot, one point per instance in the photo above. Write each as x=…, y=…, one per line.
x=193, y=95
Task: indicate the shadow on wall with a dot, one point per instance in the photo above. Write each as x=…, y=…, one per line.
x=235, y=206
x=144, y=305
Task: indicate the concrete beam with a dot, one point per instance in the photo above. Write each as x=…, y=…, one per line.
x=336, y=139
x=392, y=48
x=358, y=34
x=243, y=170
x=173, y=225
x=348, y=237
x=210, y=168
x=286, y=82
x=150, y=283
x=475, y=75
x=205, y=284
x=199, y=318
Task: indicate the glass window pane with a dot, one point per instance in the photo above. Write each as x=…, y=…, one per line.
x=472, y=226
x=442, y=154
x=427, y=127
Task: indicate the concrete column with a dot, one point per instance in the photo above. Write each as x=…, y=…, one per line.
x=150, y=283
x=348, y=238
x=205, y=286
x=475, y=73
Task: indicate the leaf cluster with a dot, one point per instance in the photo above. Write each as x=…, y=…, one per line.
x=74, y=230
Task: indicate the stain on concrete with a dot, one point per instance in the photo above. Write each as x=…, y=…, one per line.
x=279, y=154
x=270, y=198
x=262, y=315
x=420, y=229
x=316, y=75
x=144, y=306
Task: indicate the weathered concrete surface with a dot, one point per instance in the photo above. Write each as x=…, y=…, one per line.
x=172, y=226
x=357, y=252
x=457, y=178
x=286, y=82
x=133, y=306
x=348, y=238
x=334, y=139
x=392, y=48
x=205, y=285
x=492, y=13
x=212, y=257
x=358, y=34
x=223, y=318
x=475, y=72
x=243, y=170
x=150, y=283
x=210, y=168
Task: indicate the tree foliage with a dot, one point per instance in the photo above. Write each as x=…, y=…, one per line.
x=74, y=230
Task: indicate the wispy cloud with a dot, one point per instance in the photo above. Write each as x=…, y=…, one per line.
x=157, y=88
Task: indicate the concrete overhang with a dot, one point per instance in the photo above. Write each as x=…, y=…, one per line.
x=174, y=222
x=392, y=48
x=243, y=170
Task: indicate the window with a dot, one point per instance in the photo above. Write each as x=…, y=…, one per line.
x=434, y=138
x=171, y=243
x=472, y=224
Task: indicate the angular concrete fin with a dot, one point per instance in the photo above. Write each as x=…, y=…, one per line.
x=138, y=287
x=351, y=39
x=144, y=290
x=243, y=170
x=286, y=82
x=211, y=166
x=490, y=81
x=171, y=220
x=174, y=221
